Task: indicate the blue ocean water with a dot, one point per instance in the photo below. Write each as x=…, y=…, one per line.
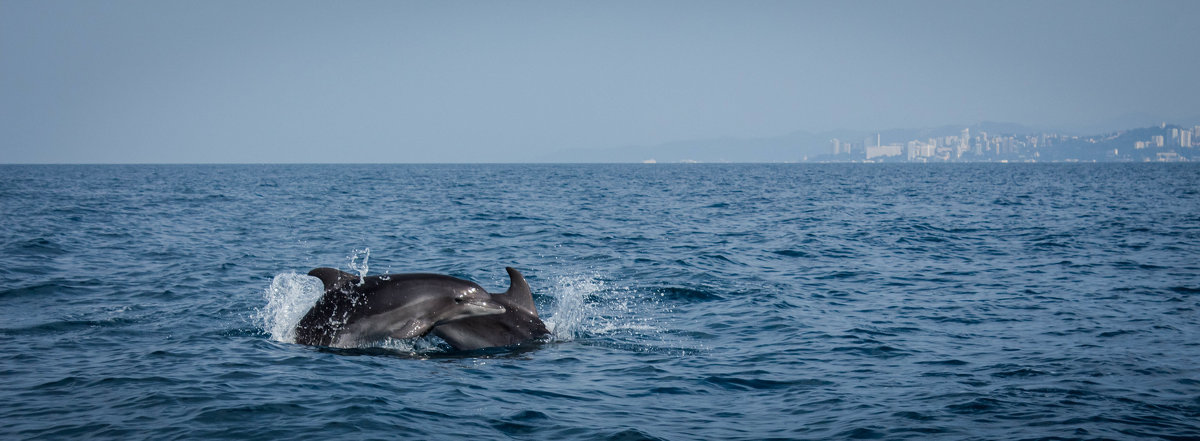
x=956, y=301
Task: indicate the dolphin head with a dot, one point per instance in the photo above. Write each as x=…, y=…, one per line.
x=470, y=302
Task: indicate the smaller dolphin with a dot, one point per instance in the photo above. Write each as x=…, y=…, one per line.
x=518, y=323
x=355, y=310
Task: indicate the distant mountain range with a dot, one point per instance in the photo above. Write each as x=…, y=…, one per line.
x=797, y=146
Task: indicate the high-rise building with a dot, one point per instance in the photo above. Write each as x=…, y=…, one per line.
x=1185, y=138
x=871, y=141
x=964, y=142
x=1158, y=140
x=884, y=151
x=918, y=149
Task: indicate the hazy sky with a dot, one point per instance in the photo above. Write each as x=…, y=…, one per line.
x=497, y=81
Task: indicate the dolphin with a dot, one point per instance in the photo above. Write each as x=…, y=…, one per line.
x=355, y=310
x=517, y=324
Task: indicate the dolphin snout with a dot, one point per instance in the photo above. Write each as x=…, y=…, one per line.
x=484, y=307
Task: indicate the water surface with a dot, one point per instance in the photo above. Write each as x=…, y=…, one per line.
x=958, y=301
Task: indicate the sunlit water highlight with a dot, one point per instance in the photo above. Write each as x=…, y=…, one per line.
x=998, y=301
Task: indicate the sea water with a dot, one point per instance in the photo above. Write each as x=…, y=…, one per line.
x=691, y=301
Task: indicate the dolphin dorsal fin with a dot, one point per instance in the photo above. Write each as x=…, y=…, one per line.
x=331, y=277
x=518, y=290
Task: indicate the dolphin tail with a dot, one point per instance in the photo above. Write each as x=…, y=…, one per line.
x=331, y=277
x=518, y=290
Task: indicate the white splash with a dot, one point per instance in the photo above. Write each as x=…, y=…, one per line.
x=421, y=345
x=568, y=316
x=356, y=267
x=585, y=305
x=288, y=298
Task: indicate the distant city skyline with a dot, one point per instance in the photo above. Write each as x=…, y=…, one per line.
x=983, y=142
x=128, y=81
x=1167, y=143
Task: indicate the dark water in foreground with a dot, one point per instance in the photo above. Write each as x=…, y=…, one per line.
x=687, y=301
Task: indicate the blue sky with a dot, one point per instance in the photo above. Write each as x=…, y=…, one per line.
x=399, y=81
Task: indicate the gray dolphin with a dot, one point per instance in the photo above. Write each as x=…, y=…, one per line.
x=356, y=310
x=518, y=323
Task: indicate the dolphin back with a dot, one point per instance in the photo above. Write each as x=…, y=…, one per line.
x=325, y=319
x=331, y=277
x=518, y=292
